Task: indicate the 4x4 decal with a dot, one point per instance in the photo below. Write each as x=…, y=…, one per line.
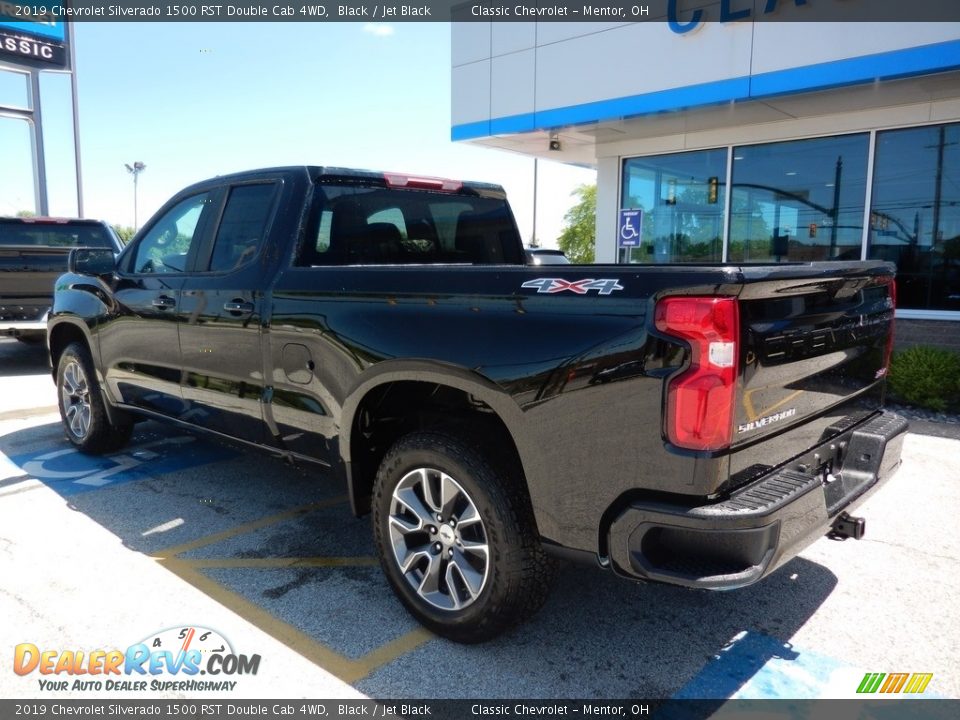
x=580, y=287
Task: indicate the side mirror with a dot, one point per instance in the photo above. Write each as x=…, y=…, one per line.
x=92, y=261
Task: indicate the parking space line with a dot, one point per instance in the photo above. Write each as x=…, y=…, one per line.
x=346, y=669
x=248, y=527
x=393, y=650
x=24, y=413
x=23, y=481
x=288, y=562
x=296, y=640
x=349, y=670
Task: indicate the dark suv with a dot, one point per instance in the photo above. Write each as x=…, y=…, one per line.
x=33, y=253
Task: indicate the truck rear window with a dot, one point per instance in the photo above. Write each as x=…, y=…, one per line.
x=53, y=235
x=354, y=225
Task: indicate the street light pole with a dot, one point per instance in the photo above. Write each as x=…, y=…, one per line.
x=135, y=170
x=533, y=238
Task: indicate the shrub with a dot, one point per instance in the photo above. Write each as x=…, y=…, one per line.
x=927, y=377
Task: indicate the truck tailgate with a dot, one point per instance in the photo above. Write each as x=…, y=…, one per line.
x=30, y=271
x=814, y=353
x=810, y=344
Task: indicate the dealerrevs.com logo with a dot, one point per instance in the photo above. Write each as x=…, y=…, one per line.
x=181, y=653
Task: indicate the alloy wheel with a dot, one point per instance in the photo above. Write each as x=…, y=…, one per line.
x=438, y=539
x=75, y=397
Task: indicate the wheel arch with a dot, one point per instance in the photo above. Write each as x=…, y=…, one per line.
x=431, y=387
x=62, y=333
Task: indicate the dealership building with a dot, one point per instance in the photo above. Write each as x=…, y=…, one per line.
x=749, y=141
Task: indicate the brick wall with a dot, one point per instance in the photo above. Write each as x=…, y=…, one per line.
x=938, y=333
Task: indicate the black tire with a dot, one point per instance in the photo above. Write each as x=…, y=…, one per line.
x=516, y=572
x=82, y=410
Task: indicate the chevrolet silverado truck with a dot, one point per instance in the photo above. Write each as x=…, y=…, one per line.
x=694, y=425
x=33, y=254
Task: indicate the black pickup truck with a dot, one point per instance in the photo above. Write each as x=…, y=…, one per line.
x=33, y=253
x=695, y=425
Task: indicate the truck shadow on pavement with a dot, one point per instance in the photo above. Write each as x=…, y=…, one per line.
x=18, y=358
x=278, y=545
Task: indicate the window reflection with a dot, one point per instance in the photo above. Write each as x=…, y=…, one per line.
x=803, y=200
x=682, y=196
x=799, y=201
x=915, y=213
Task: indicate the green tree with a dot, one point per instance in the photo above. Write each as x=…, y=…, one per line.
x=26, y=214
x=578, y=239
x=125, y=232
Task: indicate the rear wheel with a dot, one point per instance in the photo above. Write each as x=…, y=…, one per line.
x=82, y=410
x=457, y=539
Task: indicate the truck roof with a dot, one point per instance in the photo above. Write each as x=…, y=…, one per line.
x=319, y=173
x=47, y=220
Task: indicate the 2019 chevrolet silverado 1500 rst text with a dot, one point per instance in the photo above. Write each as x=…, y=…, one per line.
x=695, y=425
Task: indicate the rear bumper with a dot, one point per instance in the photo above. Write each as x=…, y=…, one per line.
x=739, y=540
x=15, y=329
x=24, y=317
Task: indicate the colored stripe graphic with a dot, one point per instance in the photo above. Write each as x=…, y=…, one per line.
x=870, y=682
x=895, y=682
x=918, y=683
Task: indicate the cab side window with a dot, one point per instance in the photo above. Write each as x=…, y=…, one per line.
x=167, y=245
x=243, y=228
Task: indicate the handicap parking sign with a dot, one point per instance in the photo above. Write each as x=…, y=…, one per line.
x=629, y=228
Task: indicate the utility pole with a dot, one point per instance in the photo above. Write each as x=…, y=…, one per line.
x=533, y=238
x=835, y=212
x=68, y=28
x=135, y=170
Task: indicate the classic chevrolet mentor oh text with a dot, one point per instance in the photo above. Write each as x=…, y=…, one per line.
x=694, y=425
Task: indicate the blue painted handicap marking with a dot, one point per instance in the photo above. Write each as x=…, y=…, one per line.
x=754, y=666
x=69, y=472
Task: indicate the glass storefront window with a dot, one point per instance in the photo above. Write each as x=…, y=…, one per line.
x=800, y=200
x=682, y=196
x=803, y=200
x=915, y=213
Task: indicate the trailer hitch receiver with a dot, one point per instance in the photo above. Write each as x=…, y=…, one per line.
x=848, y=526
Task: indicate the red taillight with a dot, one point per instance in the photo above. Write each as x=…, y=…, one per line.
x=700, y=400
x=422, y=183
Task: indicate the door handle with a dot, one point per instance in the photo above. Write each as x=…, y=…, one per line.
x=238, y=307
x=163, y=302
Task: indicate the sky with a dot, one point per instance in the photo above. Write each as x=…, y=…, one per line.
x=195, y=100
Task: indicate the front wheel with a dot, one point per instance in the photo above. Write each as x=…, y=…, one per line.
x=457, y=539
x=82, y=410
